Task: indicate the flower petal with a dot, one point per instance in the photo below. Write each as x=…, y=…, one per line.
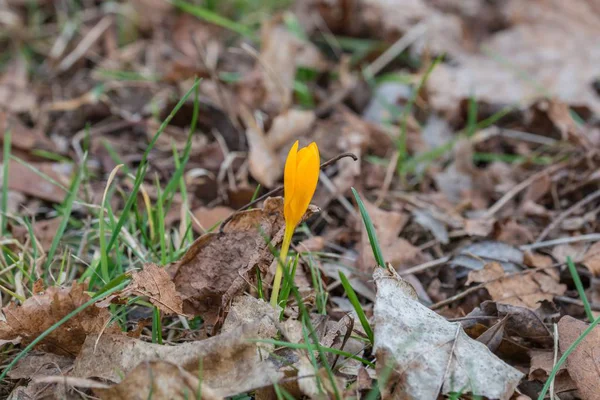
x=306, y=182
x=289, y=178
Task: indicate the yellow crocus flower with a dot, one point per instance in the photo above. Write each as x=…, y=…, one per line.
x=300, y=179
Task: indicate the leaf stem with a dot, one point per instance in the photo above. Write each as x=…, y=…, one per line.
x=285, y=246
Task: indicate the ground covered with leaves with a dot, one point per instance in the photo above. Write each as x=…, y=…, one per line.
x=451, y=250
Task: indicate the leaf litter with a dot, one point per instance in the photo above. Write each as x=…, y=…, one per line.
x=478, y=171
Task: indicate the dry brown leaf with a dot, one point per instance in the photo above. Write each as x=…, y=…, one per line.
x=24, y=180
x=542, y=363
x=289, y=126
x=231, y=362
x=44, y=232
x=155, y=283
x=15, y=94
x=158, y=380
x=218, y=266
x=522, y=321
x=537, y=43
x=583, y=362
x=246, y=310
x=514, y=234
x=591, y=259
x=210, y=217
x=265, y=165
x=429, y=354
x=37, y=364
x=39, y=312
x=281, y=52
x=525, y=290
x=388, y=225
x=22, y=137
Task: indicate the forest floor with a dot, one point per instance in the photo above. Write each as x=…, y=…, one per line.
x=453, y=243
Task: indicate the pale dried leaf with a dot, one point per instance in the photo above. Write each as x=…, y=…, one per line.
x=158, y=380
x=476, y=255
x=536, y=44
x=289, y=126
x=265, y=165
x=429, y=354
x=231, y=362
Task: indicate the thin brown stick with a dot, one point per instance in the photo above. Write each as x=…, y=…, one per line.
x=518, y=188
x=556, y=221
x=279, y=189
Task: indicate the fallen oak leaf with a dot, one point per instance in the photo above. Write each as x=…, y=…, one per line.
x=40, y=312
x=428, y=354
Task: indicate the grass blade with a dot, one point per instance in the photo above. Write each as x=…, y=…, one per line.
x=357, y=307
x=214, y=18
x=580, y=290
x=370, y=230
x=143, y=166
x=66, y=213
x=5, y=172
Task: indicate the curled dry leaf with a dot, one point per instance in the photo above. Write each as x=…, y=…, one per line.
x=155, y=283
x=265, y=166
x=218, y=266
x=158, y=380
x=583, y=362
x=39, y=312
x=524, y=289
x=428, y=354
x=522, y=321
x=231, y=362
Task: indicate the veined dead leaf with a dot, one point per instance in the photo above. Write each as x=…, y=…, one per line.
x=154, y=283
x=427, y=354
x=39, y=312
x=159, y=380
x=231, y=362
x=525, y=290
